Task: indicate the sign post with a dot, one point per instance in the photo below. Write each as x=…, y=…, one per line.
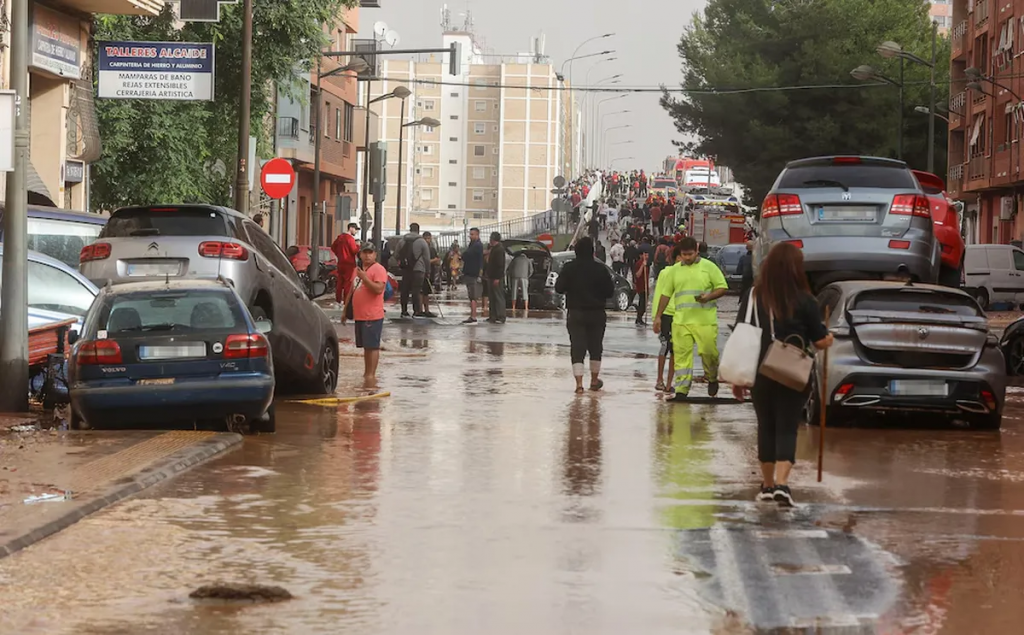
x=277, y=178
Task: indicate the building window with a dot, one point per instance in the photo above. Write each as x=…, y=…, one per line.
x=452, y=207
x=454, y=117
x=479, y=173
x=478, y=151
x=495, y=127
x=428, y=173
x=337, y=123
x=453, y=161
x=495, y=149
x=455, y=94
x=350, y=122
x=496, y=105
x=428, y=104
x=480, y=83
x=480, y=128
x=327, y=120
x=453, y=138
x=426, y=195
x=1008, y=133
x=428, y=149
x=452, y=184
x=428, y=129
x=494, y=172
x=480, y=105
x=478, y=196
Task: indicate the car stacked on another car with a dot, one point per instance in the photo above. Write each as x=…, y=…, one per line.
x=904, y=347
x=854, y=218
x=947, y=227
x=172, y=242
x=172, y=351
x=621, y=300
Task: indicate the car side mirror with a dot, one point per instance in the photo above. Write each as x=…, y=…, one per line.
x=264, y=326
x=317, y=288
x=73, y=337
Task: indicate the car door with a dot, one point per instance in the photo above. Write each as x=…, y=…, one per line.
x=1002, y=274
x=295, y=333
x=1018, y=276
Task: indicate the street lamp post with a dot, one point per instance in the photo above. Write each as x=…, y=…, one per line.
x=426, y=121
x=616, y=159
x=891, y=49
x=924, y=110
x=401, y=92
x=244, y=112
x=604, y=137
x=357, y=65
x=597, y=132
x=612, y=114
x=590, y=110
x=866, y=73
x=572, y=104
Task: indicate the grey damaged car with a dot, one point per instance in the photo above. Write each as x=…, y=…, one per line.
x=909, y=348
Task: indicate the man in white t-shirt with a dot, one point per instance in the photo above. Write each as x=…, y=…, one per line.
x=617, y=253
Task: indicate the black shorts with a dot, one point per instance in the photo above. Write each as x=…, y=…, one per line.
x=665, y=337
x=368, y=334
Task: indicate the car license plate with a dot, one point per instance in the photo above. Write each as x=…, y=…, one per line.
x=918, y=388
x=154, y=269
x=181, y=351
x=847, y=214
x=158, y=381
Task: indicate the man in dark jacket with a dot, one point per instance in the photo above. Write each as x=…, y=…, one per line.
x=495, y=274
x=746, y=270
x=586, y=285
x=472, y=268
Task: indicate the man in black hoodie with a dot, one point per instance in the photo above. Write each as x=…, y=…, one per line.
x=586, y=285
x=495, y=274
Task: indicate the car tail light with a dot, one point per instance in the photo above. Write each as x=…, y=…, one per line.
x=910, y=205
x=845, y=160
x=989, y=398
x=899, y=244
x=842, y=391
x=781, y=205
x=99, y=352
x=95, y=251
x=217, y=249
x=799, y=244
x=246, y=346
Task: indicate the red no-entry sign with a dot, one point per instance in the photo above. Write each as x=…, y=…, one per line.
x=277, y=178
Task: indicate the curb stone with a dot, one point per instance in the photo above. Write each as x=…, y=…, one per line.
x=168, y=468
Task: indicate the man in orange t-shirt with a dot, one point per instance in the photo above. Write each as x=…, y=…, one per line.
x=368, y=309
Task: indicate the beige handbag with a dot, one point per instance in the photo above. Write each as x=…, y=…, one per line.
x=788, y=364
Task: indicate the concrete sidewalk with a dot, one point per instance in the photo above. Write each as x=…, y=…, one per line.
x=82, y=472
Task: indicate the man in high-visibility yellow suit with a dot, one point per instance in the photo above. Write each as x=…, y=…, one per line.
x=694, y=288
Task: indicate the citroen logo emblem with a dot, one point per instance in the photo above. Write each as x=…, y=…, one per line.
x=922, y=334
x=153, y=247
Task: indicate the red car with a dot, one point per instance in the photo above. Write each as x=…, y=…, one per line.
x=300, y=257
x=946, y=222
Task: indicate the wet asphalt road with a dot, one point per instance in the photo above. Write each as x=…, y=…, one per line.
x=484, y=497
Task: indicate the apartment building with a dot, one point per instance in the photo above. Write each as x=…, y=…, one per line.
x=941, y=12
x=64, y=136
x=501, y=141
x=985, y=129
x=340, y=123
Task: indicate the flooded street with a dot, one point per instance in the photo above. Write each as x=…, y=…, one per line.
x=483, y=496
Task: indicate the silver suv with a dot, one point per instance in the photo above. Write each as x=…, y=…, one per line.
x=854, y=218
x=205, y=241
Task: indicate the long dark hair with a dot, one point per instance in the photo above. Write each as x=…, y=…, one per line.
x=781, y=281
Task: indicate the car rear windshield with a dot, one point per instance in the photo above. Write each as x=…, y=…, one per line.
x=730, y=255
x=164, y=221
x=920, y=301
x=660, y=184
x=849, y=175
x=172, y=310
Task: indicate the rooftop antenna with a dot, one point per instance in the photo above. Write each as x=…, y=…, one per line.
x=446, y=19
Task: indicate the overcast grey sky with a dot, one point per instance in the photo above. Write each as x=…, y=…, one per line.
x=645, y=44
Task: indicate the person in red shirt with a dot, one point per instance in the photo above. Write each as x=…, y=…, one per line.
x=368, y=310
x=657, y=220
x=346, y=249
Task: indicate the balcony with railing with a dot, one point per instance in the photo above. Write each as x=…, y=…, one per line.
x=980, y=14
x=958, y=36
x=287, y=128
x=977, y=168
x=957, y=109
x=955, y=178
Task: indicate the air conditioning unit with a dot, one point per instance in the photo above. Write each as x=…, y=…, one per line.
x=1006, y=208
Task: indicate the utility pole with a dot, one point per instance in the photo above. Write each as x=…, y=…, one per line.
x=314, y=238
x=401, y=143
x=244, y=108
x=14, y=296
x=366, y=165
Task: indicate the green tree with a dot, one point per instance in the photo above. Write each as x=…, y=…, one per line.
x=765, y=45
x=163, y=151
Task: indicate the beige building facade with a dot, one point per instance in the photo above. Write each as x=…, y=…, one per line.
x=501, y=142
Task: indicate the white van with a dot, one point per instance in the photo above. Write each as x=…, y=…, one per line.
x=994, y=274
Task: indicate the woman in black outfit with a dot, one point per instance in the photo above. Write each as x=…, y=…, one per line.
x=782, y=294
x=586, y=285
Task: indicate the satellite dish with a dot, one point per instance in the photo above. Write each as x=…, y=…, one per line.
x=392, y=38
x=380, y=28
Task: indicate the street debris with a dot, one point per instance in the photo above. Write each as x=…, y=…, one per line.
x=49, y=498
x=26, y=427
x=241, y=592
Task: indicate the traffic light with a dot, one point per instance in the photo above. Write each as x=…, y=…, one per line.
x=455, y=59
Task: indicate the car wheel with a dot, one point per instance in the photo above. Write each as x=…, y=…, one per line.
x=949, y=277
x=981, y=295
x=1014, y=352
x=258, y=313
x=622, y=301
x=267, y=424
x=327, y=370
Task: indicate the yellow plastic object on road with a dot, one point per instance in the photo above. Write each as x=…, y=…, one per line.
x=336, y=401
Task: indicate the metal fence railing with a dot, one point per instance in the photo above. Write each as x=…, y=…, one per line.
x=549, y=222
